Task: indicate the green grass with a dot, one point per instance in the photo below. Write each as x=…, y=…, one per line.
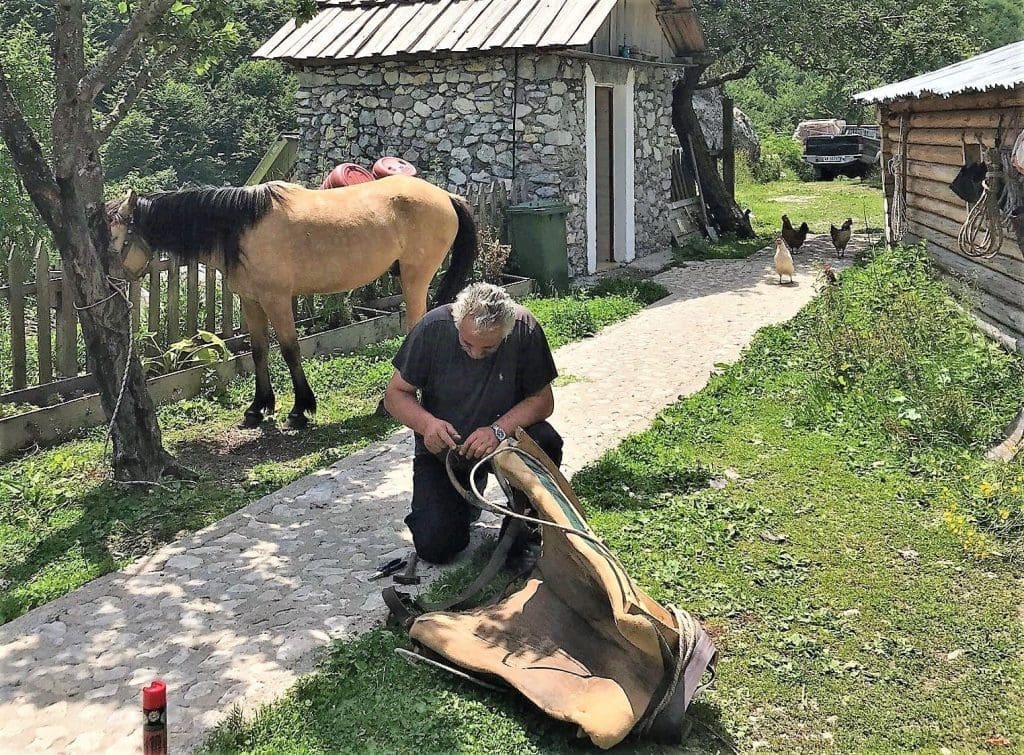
x=582, y=315
x=62, y=524
x=818, y=203
x=727, y=248
x=849, y=615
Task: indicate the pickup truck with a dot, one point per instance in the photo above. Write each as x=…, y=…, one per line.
x=851, y=153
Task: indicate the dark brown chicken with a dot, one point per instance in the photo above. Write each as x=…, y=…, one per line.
x=794, y=238
x=841, y=236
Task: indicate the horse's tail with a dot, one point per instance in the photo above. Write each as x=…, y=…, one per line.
x=464, y=251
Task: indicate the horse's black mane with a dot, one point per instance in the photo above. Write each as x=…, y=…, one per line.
x=191, y=223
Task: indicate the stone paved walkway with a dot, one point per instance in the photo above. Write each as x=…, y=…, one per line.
x=236, y=612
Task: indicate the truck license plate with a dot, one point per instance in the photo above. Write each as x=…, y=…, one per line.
x=833, y=159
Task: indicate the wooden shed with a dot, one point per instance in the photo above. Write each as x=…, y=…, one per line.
x=565, y=100
x=935, y=127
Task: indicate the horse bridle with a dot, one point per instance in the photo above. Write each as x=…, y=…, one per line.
x=123, y=251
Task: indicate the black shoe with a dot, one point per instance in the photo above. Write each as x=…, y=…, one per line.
x=525, y=551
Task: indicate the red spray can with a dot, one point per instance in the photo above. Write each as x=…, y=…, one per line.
x=154, y=711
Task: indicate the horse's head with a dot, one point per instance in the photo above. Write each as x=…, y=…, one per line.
x=135, y=254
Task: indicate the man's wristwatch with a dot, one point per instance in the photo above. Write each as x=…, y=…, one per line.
x=498, y=432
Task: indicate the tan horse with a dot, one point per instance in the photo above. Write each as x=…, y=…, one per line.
x=278, y=240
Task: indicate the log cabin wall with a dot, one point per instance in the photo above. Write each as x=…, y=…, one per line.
x=939, y=131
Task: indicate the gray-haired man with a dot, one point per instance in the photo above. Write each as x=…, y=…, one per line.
x=483, y=369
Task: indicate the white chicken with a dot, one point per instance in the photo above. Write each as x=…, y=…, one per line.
x=783, y=260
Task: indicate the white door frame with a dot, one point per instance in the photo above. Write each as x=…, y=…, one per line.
x=624, y=167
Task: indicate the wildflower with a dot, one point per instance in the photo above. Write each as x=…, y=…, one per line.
x=987, y=488
x=1004, y=514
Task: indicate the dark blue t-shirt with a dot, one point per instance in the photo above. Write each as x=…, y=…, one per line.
x=473, y=393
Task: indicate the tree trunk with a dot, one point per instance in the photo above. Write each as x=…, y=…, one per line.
x=138, y=448
x=724, y=213
x=82, y=235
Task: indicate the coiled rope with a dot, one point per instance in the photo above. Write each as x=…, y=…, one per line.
x=898, y=209
x=982, y=234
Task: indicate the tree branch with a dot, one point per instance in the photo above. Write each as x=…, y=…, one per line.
x=100, y=75
x=739, y=73
x=142, y=80
x=33, y=169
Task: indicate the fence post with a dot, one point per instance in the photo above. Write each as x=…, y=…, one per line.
x=15, y=274
x=173, y=301
x=227, y=309
x=192, y=299
x=67, y=329
x=210, y=315
x=153, y=315
x=43, y=304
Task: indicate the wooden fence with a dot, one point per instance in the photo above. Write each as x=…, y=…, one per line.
x=174, y=301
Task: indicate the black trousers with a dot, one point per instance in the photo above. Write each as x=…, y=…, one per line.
x=440, y=519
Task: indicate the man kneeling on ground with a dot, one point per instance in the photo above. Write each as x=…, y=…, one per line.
x=483, y=369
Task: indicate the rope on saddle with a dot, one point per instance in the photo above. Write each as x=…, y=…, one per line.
x=688, y=629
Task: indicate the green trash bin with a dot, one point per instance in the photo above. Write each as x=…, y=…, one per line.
x=536, y=231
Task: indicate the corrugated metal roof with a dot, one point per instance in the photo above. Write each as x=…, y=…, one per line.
x=1000, y=68
x=356, y=29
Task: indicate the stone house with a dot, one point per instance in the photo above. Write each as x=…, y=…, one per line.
x=561, y=99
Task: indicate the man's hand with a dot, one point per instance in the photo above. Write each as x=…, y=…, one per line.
x=439, y=435
x=479, y=444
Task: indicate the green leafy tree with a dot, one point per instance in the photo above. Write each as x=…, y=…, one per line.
x=784, y=62
x=24, y=55
x=100, y=69
x=999, y=23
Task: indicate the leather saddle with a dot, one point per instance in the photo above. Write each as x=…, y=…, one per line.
x=579, y=639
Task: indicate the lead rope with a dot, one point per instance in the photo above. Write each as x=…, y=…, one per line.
x=120, y=288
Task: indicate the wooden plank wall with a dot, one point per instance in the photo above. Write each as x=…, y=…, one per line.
x=937, y=130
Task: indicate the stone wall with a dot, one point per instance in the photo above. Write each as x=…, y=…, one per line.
x=452, y=118
x=654, y=141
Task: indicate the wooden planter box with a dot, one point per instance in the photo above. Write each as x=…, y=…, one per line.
x=53, y=423
x=50, y=424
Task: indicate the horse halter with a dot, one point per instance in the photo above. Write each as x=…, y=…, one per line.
x=123, y=251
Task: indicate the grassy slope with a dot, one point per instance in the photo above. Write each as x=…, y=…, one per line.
x=62, y=524
x=849, y=617
x=819, y=203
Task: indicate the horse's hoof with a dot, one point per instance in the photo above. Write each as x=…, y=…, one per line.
x=252, y=420
x=298, y=421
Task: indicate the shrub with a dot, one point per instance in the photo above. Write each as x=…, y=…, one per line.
x=492, y=258
x=780, y=155
x=201, y=349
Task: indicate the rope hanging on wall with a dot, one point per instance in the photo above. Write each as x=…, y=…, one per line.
x=898, y=210
x=982, y=233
